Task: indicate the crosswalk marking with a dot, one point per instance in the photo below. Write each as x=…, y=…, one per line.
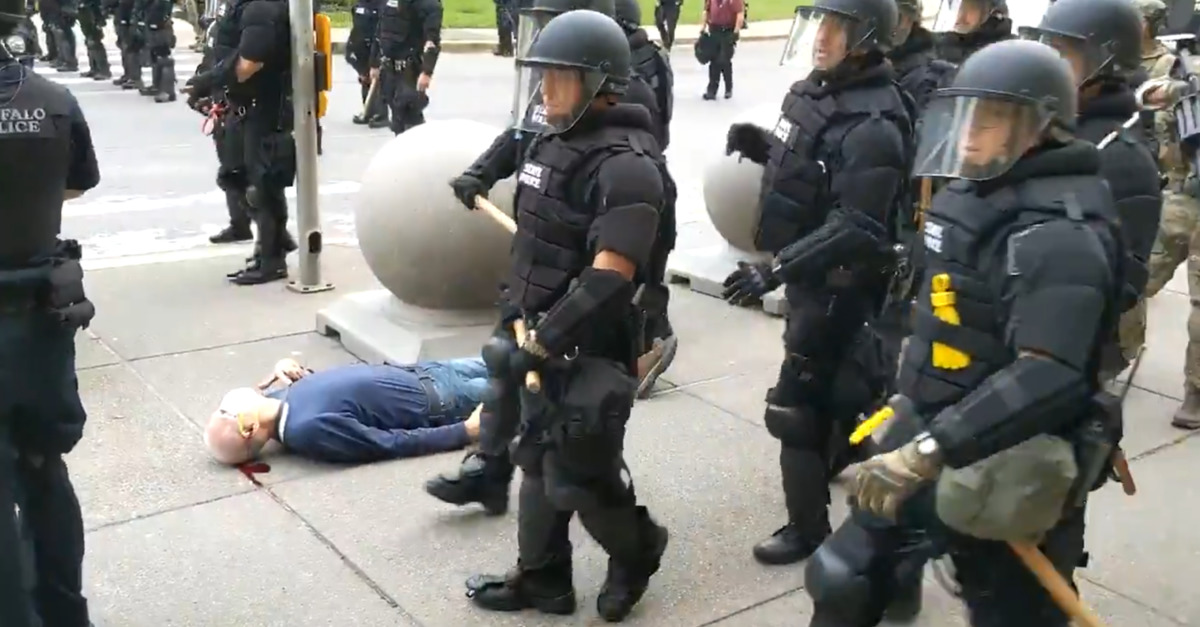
x=185, y=65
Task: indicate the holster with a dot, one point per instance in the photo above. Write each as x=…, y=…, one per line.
x=1094, y=440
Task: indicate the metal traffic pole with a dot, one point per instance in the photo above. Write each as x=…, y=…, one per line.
x=304, y=104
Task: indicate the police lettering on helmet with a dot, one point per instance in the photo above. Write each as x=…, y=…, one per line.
x=963, y=16
x=828, y=32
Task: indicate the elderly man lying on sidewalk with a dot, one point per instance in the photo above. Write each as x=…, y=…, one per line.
x=358, y=413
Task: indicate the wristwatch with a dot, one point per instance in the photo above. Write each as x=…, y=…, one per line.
x=927, y=447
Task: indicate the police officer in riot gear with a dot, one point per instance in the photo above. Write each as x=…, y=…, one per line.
x=964, y=26
x=918, y=70
x=836, y=170
x=364, y=24
x=1102, y=40
x=91, y=22
x=1001, y=372
x=227, y=133
x=256, y=78
x=403, y=57
x=155, y=22
x=132, y=40
x=46, y=157
x=485, y=474
x=65, y=16
x=587, y=204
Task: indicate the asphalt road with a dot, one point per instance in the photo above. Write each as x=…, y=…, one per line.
x=158, y=200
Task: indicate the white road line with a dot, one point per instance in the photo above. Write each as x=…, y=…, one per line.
x=118, y=204
x=93, y=262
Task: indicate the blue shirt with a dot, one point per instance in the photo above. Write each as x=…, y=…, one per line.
x=364, y=413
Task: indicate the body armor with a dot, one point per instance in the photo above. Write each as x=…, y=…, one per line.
x=959, y=319
x=918, y=70
x=400, y=34
x=652, y=66
x=365, y=23
x=554, y=213
x=1129, y=167
x=806, y=143
x=34, y=159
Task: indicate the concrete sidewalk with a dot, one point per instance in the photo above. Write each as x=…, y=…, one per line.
x=174, y=539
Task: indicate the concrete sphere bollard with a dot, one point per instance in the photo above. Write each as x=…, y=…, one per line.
x=731, y=186
x=417, y=238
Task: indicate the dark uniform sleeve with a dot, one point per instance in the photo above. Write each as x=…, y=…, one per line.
x=627, y=196
x=431, y=34
x=1132, y=175
x=873, y=169
x=258, y=32
x=1061, y=291
x=499, y=161
x=83, y=173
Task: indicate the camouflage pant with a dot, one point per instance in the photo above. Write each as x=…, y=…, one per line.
x=1178, y=241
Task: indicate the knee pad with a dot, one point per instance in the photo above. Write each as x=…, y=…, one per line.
x=794, y=426
x=256, y=198
x=496, y=354
x=231, y=179
x=836, y=588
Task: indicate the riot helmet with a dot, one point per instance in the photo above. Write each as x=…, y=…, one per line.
x=628, y=14
x=966, y=16
x=1097, y=37
x=1154, y=16
x=829, y=31
x=12, y=13
x=534, y=17
x=1005, y=99
x=576, y=57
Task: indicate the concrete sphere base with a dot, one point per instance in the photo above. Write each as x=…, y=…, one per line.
x=732, y=184
x=419, y=241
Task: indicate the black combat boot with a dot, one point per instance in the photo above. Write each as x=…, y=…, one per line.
x=379, y=121
x=232, y=234
x=625, y=584
x=548, y=589
x=479, y=479
x=266, y=270
x=806, y=495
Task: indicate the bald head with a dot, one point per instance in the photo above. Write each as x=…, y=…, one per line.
x=234, y=435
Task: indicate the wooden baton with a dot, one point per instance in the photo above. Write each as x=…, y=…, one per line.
x=533, y=380
x=366, y=111
x=1055, y=584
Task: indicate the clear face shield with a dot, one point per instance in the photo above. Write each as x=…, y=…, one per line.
x=976, y=138
x=529, y=24
x=820, y=39
x=962, y=16
x=556, y=97
x=1086, y=58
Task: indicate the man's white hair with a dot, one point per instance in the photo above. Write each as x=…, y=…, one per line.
x=222, y=435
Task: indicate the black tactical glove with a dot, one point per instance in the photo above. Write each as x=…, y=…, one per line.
x=750, y=140
x=524, y=360
x=466, y=188
x=749, y=283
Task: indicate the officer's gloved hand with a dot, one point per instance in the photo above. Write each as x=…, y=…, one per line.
x=750, y=140
x=749, y=283
x=466, y=188
x=525, y=359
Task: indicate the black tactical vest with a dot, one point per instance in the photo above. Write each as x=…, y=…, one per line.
x=35, y=156
x=959, y=322
x=554, y=211
x=652, y=66
x=806, y=145
x=400, y=25
x=1131, y=171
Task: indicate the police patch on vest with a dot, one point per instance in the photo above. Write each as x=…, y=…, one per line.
x=933, y=235
x=533, y=175
x=21, y=121
x=783, y=130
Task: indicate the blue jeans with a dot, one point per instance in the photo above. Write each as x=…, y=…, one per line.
x=460, y=383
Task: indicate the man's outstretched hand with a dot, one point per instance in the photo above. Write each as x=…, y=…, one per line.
x=289, y=370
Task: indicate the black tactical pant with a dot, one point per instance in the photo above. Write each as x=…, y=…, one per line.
x=398, y=88
x=831, y=372
x=270, y=158
x=91, y=22
x=131, y=53
x=50, y=17
x=41, y=419
x=63, y=27
x=570, y=451
x=724, y=40
x=855, y=574
x=229, y=141
x=160, y=40
x=655, y=299
x=666, y=18
x=505, y=32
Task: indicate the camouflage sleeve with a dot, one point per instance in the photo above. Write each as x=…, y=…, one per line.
x=1162, y=66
